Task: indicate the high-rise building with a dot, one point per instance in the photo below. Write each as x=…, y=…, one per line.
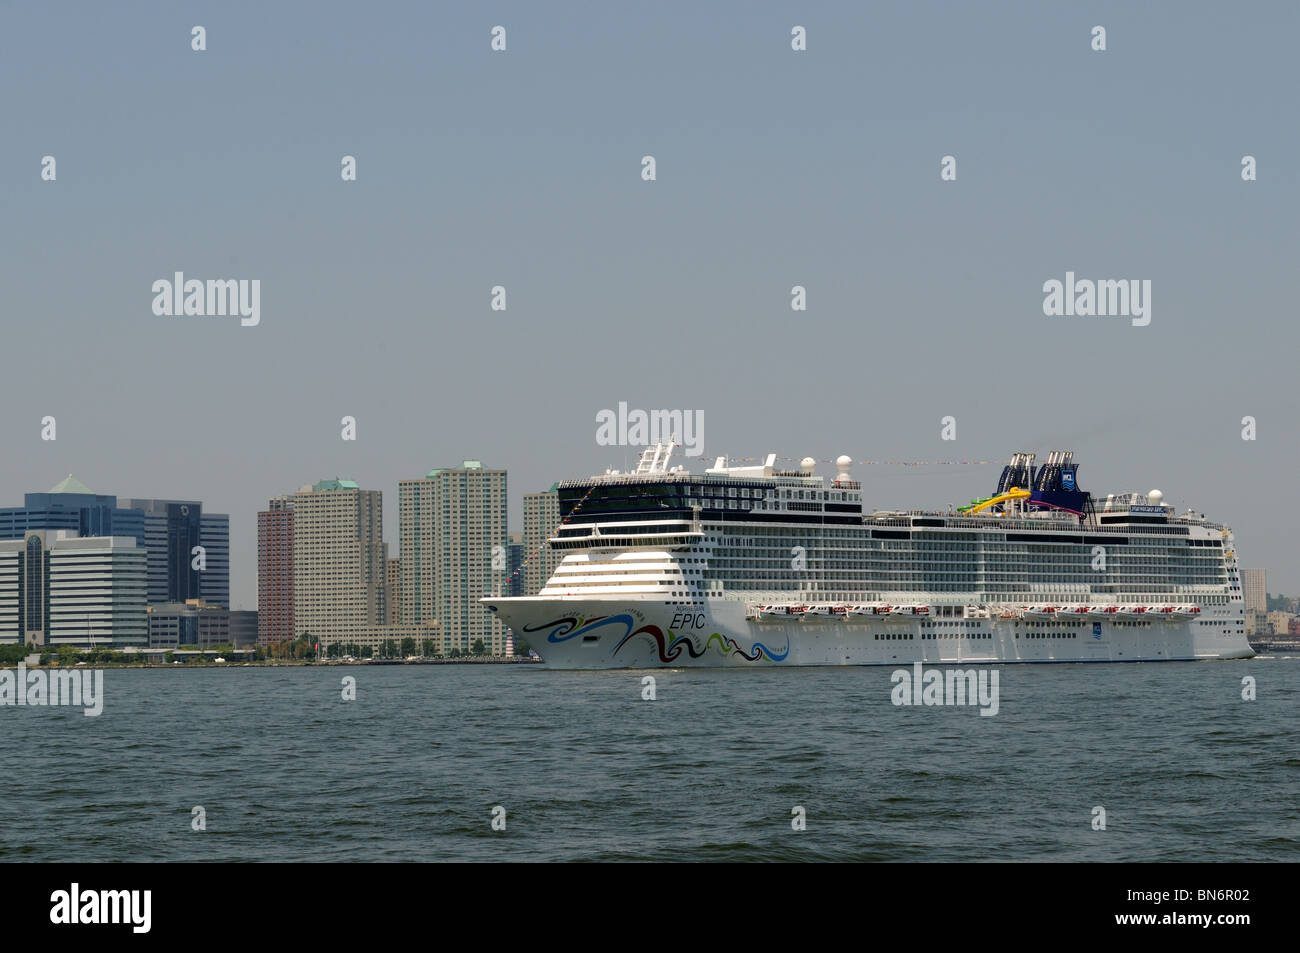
x=541, y=518
x=275, y=571
x=1254, y=584
x=214, y=537
x=172, y=528
x=340, y=561
x=393, y=579
x=60, y=588
x=73, y=506
x=168, y=529
x=515, y=564
x=454, y=552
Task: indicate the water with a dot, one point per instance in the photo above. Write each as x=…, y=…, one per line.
x=710, y=770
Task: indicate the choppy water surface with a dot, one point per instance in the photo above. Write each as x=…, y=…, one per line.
x=709, y=770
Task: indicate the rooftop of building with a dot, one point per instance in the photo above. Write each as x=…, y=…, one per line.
x=336, y=484
x=465, y=465
x=71, y=484
x=68, y=539
x=186, y=607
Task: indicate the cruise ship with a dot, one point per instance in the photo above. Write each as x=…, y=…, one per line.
x=756, y=565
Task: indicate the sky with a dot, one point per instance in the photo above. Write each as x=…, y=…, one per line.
x=774, y=168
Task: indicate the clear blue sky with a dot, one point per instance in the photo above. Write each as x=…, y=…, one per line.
x=775, y=168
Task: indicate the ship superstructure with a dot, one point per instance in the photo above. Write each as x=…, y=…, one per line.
x=753, y=564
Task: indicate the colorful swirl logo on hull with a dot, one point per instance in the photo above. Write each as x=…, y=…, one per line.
x=669, y=646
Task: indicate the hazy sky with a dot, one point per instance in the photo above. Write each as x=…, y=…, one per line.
x=774, y=168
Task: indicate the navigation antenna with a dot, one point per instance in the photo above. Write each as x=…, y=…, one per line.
x=654, y=459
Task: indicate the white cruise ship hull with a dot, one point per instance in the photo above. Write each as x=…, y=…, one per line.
x=576, y=633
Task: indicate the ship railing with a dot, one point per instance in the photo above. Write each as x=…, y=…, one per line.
x=885, y=520
x=685, y=476
x=1052, y=525
x=1185, y=521
x=680, y=540
x=608, y=478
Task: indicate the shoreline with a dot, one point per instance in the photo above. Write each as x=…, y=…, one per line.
x=196, y=663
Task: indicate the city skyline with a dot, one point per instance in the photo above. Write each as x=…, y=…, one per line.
x=820, y=169
x=519, y=525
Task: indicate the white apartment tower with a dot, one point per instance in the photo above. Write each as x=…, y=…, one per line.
x=541, y=519
x=339, y=561
x=454, y=552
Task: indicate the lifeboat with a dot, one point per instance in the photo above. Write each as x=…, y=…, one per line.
x=922, y=610
x=904, y=610
x=840, y=611
x=881, y=610
x=1041, y=612
x=1101, y=612
x=1008, y=612
x=814, y=612
x=1184, y=613
x=855, y=611
x=1079, y=612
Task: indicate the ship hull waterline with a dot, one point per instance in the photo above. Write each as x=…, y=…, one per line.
x=637, y=634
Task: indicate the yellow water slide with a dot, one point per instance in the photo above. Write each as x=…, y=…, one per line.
x=1015, y=493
